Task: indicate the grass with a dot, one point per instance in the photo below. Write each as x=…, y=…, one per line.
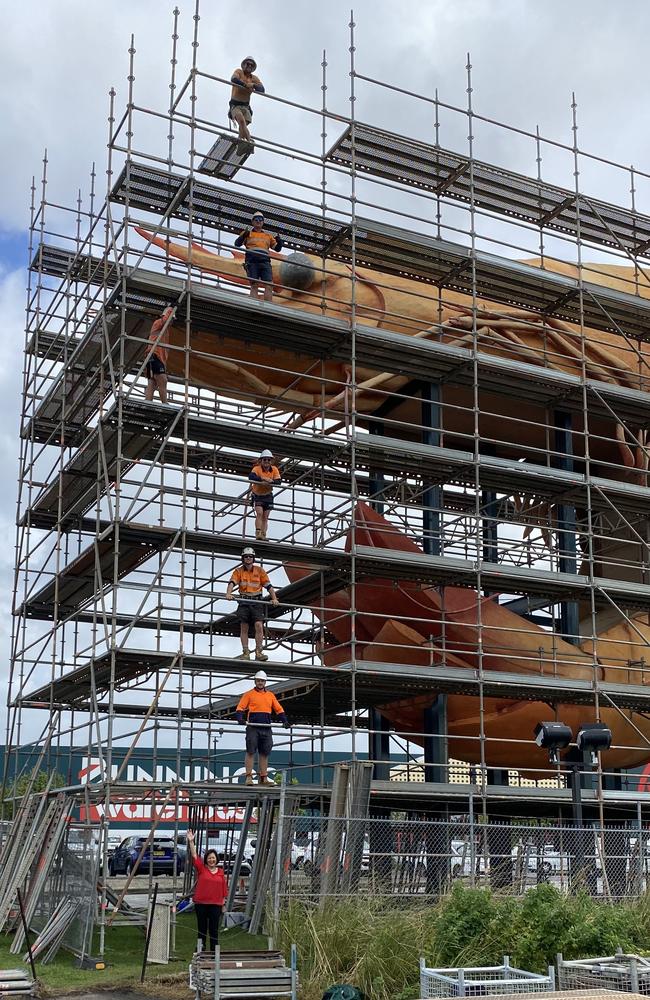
x=376, y=945
x=123, y=957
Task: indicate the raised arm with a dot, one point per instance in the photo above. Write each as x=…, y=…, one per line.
x=191, y=844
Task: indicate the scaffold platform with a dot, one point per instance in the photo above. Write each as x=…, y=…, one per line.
x=326, y=690
x=91, y=471
x=393, y=250
x=494, y=189
x=263, y=323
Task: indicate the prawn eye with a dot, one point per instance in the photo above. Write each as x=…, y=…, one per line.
x=297, y=271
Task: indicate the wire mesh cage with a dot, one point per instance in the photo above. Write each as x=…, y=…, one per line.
x=624, y=973
x=483, y=981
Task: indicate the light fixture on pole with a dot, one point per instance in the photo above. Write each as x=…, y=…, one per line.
x=553, y=736
x=592, y=738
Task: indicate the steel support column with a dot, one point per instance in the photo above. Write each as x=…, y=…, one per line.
x=377, y=480
x=436, y=754
x=379, y=745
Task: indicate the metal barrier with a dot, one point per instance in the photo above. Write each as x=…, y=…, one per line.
x=491, y=980
x=625, y=973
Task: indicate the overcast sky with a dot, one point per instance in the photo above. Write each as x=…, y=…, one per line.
x=59, y=59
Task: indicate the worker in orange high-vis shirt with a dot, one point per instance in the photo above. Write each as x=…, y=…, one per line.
x=255, y=709
x=156, y=366
x=263, y=477
x=257, y=261
x=251, y=580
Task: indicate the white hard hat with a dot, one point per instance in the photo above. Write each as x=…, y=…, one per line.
x=266, y=454
x=260, y=676
x=248, y=551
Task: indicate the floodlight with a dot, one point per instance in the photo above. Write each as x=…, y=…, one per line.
x=593, y=737
x=553, y=736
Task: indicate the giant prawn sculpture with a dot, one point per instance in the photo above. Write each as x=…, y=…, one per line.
x=404, y=622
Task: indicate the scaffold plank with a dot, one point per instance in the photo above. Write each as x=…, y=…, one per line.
x=376, y=683
x=87, y=576
x=79, y=390
x=225, y=157
x=45, y=344
x=494, y=189
x=126, y=432
x=150, y=189
x=60, y=262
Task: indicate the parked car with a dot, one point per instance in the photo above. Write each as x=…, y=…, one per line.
x=303, y=852
x=162, y=856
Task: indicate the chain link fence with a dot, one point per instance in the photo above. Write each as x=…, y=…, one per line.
x=401, y=858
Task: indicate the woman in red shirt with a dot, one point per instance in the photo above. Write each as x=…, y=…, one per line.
x=210, y=892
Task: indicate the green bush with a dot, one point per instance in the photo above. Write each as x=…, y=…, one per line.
x=472, y=926
x=577, y=926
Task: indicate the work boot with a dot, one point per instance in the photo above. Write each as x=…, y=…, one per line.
x=244, y=655
x=261, y=655
x=249, y=779
x=258, y=534
x=265, y=780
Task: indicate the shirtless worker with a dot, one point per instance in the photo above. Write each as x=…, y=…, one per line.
x=156, y=366
x=257, y=261
x=263, y=477
x=259, y=705
x=250, y=580
x=244, y=83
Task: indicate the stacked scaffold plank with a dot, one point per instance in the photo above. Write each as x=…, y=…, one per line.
x=243, y=974
x=35, y=871
x=51, y=937
x=15, y=983
x=26, y=853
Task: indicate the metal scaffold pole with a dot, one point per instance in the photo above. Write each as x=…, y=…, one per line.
x=456, y=402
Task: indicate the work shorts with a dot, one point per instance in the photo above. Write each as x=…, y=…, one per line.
x=264, y=500
x=259, y=740
x=251, y=611
x=241, y=108
x=154, y=367
x=258, y=268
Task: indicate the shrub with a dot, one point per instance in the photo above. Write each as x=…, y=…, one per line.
x=578, y=926
x=473, y=927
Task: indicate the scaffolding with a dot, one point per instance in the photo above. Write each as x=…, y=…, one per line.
x=460, y=398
